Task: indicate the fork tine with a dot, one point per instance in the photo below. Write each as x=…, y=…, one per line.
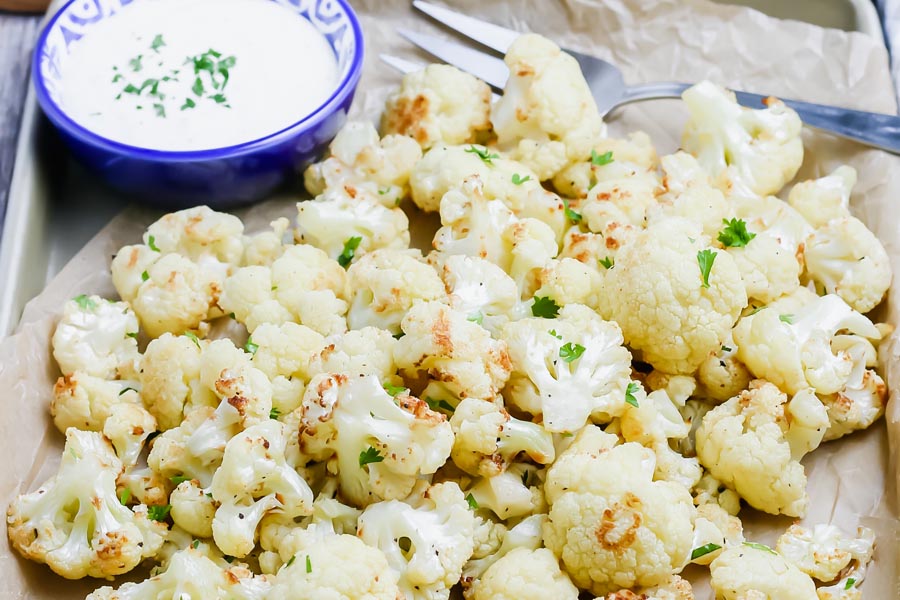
x=490, y=35
x=401, y=64
x=490, y=69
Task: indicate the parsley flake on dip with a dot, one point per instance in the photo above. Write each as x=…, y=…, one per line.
x=183, y=75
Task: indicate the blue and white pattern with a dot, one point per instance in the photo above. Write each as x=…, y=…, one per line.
x=328, y=16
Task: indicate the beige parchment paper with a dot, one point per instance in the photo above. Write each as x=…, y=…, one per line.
x=851, y=481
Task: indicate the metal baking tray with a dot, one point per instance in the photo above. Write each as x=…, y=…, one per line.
x=55, y=207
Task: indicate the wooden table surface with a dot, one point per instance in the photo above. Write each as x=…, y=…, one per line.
x=17, y=36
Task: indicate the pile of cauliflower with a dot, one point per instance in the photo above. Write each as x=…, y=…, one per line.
x=604, y=359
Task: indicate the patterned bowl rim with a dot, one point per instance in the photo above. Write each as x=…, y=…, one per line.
x=344, y=88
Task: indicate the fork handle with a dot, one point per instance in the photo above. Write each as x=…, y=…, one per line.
x=874, y=129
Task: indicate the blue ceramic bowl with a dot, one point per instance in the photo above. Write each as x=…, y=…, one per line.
x=219, y=177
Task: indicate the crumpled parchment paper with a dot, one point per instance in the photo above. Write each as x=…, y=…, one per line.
x=851, y=481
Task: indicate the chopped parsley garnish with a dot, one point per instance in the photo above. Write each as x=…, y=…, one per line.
x=630, y=391
x=601, y=159
x=727, y=348
x=477, y=317
x=393, y=390
x=178, y=479
x=132, y=334
x=571, y=352
x=705, y=259
x=160, y=110
x=197, y=88
x=369, y=455
x=125, y=498
x=291, y=561
x=762, y=547
x=473, y=504
x=157, y=42
x=188, y=103
x=850, y=583
x=85, y=302
x=519, y=180
x=135, y=63
x=151, y=243
x=545, y=307
x=788, y=318
x=192, y=336
x=127, y=389
x=484, y=154
x=350, y=247
x=275, y=412
x=735, y=234
x=608, y=262
x=554, y=334
x=438, y=405
x=308, y=564
x=704, y=550
x=195, y=544
x=250, y=346
x=158, y=513
x=571, y=215
x=145, y=276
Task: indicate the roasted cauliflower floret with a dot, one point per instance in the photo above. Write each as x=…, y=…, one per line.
x=333, y=221
x=195, y=447
x=478, y=288
x=303, y=285
x=634, y=155
x=176, y=296
x=826, y=198
x=610, y=524
x=487, y=439
x=97, y=337
x=380, y=443
x=753, y=571
x=255, y=477
x=862, y=400
x=768, y=270
x=359, y=160
x=688, y=192
x=791, y=342
x=568, y=370
x=439, y=104
x=85, y=402
x=384, y=284
x=193, y=508
x=444, y=345
x=754, y=442
x=127, y=428
x=170, y=379
x=426, y=543
x=722, y=375
x=674, y=297
x=366, y=351
x=568, y=281
x=525, y=574
x=282, y=353
x=846, y=259
x=546, y=117
x=261, y=249
x=824, y=551
x=509, y=181
x=526, y=534
x=512, y=494
x=321, y=569
x=75, y=522
x=745, y=151
x=191, y=574
x=209, y=238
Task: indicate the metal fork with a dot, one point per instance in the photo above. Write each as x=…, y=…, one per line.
x=608, y=85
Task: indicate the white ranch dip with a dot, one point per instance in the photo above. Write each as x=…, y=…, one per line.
x=197, y=74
